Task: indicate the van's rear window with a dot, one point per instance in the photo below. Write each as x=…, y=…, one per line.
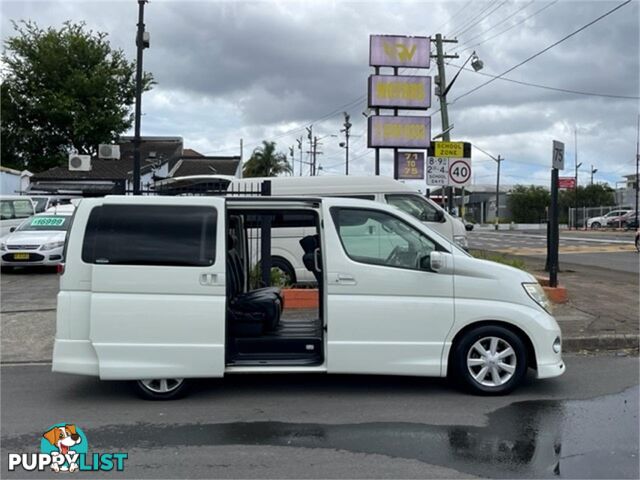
x=150, y=235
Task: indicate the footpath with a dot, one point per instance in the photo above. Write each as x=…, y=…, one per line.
x=603, y=310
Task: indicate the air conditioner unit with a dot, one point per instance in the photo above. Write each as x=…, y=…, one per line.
x=108, y=151
x=80, y=163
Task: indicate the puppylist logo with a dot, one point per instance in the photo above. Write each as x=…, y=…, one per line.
x=64, y=448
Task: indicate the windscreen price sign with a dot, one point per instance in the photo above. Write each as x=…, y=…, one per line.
x=445, y=171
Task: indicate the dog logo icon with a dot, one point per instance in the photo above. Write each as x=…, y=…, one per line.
x=64, y=440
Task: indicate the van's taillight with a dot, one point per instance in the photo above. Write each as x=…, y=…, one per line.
x=60, y=268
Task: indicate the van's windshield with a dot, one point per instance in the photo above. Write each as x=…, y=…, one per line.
x=415, y=206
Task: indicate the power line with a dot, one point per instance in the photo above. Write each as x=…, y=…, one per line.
x=511, y=27
x=453, y=16
x=481, y=19
x=546, y=49
x=468, y=41
x=472, y=19
x=548, y=87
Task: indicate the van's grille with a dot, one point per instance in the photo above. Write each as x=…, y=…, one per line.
x=23, y=247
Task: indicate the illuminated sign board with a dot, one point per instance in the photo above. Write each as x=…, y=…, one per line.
x=410, y=165
x=391, y=91
x=399, y=132
x=567, y=182
x=399, y=51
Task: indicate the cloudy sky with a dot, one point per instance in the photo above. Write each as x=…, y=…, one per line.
x=258, y=70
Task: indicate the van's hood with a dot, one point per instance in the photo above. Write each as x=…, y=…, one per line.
x=35, y=237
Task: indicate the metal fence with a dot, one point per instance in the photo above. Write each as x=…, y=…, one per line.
x=578, y=217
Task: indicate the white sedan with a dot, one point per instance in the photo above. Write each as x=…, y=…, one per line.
x=39, y=240
x=597, y=222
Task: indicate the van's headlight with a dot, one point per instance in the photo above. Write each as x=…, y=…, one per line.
x=536, y=292
x=461, y=240
x=52, y=245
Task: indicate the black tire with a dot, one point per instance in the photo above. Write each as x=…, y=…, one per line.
x=149, y=393
x=285, y=267
x=595, y=225
x=462, y=353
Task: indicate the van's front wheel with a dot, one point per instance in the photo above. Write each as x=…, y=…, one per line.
x=490, y=360
x=161, y=388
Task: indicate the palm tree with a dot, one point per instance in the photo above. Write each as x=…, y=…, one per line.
x=266, y=162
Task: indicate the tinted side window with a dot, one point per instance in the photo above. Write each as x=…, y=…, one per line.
x=415, y=206
x=23, y=208
x=150, y=235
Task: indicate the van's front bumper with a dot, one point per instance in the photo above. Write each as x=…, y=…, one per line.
x=551, y=370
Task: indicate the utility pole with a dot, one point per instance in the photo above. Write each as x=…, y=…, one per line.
x=310, y=137
x=142, y=41
x=240, y=169
x=293, y=165
x=442, y=95
x=299, y=141
x=637, y=167
x=593, y=171
x=578, y=165
x=346, y=130
x=498, y=160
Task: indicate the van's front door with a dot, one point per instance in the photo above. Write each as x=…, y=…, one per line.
x=386, y=312
x=157, y=286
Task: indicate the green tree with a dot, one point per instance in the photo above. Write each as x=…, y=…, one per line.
x=63, y=89
x=595, y=195
x=266, y=162
x=528, y=203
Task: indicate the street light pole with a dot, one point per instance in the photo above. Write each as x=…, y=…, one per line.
x=346, y=130
x=593, y=171
x=498, y=160
x=140, y=44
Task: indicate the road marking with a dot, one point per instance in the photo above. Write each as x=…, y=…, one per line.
x=568, y=249
x=569, y=239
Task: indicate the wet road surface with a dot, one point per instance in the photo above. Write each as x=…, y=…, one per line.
x=584, y=425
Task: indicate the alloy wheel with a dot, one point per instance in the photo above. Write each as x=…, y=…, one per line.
x=491, y=361
x=162, y=385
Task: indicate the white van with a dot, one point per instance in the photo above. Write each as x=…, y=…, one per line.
x=155, y=290
x=286, y=252
x=13, y=210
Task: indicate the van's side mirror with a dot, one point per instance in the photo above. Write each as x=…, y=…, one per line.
x=439, y=215
x=434, y=262
x=12, y=229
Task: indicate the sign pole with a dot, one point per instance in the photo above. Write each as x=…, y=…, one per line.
x=553, y=232
x=557, y=163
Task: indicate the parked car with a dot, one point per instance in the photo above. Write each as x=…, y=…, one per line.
x=39, y=240
x=13, y=210
x=598, y=222
x=632, y=223
x=620, y=221
x=154, y=290
x=45, y=202
x=637, y=240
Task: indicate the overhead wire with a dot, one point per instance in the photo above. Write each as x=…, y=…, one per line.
x=537, y=54
x=472, y=26
x=511, y=27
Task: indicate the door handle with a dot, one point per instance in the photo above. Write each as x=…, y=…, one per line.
x=345, y=279
x=209, y=279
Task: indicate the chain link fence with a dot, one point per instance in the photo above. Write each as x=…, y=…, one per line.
x=579, y=217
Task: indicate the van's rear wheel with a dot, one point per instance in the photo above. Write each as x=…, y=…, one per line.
x=490, y=360
x=161, y=388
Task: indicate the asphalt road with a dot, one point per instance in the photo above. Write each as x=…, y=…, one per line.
x=614, y=251
x=581, y=425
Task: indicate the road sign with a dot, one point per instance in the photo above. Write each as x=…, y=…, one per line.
x=399, y=132
x=399, y=51
x=410, y=165
x=459, y=172
x=558, y=155
x=403, y=91
x=567, y=182
x=437, y=171
x=449, y=149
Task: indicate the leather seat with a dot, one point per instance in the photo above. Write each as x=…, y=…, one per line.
x=309, y=245
x=250, y=313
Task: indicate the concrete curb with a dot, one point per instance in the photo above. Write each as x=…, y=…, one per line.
x=601, y=342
